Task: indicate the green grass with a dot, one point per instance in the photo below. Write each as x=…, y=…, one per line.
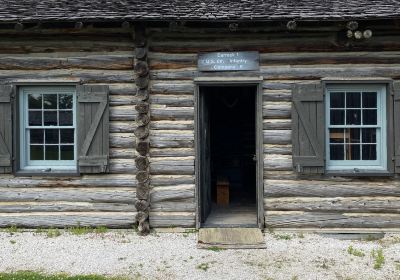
x=53, y=232
x=101, y=229
x=12, y=229
x=32, y=275
x=379, y=258
x=215, y=248
x=203, y=266
x=355, y=252
x=79, y=230
x=283, y=236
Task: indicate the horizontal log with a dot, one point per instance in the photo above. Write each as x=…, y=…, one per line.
x=106, y=62
x=171, y=60
x=172, y=125
x=271, y=124
x=172, y=87
x=122, y=126
x=184, y=205
x=121, y=100
x=174, y=134
x=122, y=153
x=172, y=219
x=278, y=162
x=85, y=76
x=374, y=204
x=123, y=113
x=68, y=219
x=284, y=95
x=172, y=193
x=330, y=188
x=277, y=137
x=278, y=149
x=279, y=85
x=106, y=195
x=173, y=100
x=277, y=110
x=163, y=142
x=123, y=89
x=171, y=180
x=63, y=206
x=92, y=181
x=172, y=152
x=172, y=166
x=118, y=166
x=330, y=220
x=122, y=140
x=280, y=175
x=171, y=113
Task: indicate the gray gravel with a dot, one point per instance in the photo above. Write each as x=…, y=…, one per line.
x=175, y=256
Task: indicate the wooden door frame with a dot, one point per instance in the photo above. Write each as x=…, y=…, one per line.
x=232, y=81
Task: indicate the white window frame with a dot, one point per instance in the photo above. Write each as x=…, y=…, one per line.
x=359, y=166
x=44, y=165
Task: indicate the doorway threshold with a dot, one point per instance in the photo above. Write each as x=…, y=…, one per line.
x=231, y=238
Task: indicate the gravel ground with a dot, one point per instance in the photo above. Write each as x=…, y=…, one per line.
x=175, y=256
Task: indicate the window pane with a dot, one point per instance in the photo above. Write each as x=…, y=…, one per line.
x=352, y=152
x=52, y=136
x=336, y=152
x=34, y=101
x=369, y=117
x=67, y=136
x=354, y=134
x=52, y=152
x=353, y=117
x=50, y=118
x=36, y=152
x=50, y=101
x=337, y=99
x=369, y=152
x=369, y=99
x=65, y=101
x=337, y=117
x=67, y=152
x=336, y=135
x=36, y=136
x=65, y=118
x=35, y=118
x=353, y=100
x=369, y=135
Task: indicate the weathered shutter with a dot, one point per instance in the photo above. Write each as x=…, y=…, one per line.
x=396, y=124
x=5, y=129
x=308, y=128
x=93, y=127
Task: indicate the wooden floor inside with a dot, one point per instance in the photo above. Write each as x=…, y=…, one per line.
x=232, y=216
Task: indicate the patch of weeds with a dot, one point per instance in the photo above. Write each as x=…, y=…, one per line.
x=79, y=230
x=32, y=275
x=203, y=266
x=189, y=231
x=101, y=229
x=300, y=235
x=355, y=252
x=295, y=277
x=371, y=238
x=215, y=248
x=13, y=242
x=53, y=232
x=12, y=229
x=154, y=233
x=397, y=266
x=379, y=258
x=39, y=230
x=270, y=229
x=283, y=236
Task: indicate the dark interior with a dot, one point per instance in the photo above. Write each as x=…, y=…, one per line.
x=232, y=141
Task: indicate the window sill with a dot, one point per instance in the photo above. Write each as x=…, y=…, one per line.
x=361, y=173
x=54, y=173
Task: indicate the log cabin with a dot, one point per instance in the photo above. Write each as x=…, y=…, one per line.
x=270, y=114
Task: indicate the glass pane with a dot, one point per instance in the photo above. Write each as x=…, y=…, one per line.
x=36, y=136
x=337, y=99
x=337, y=117
x=369, y=117
x=52, y=152
x=65, y=101
x=36, y=152
x=35, y=101
x=353, y=117
x=336, y=135
x=369, y=152
x=50, y=118
x=336, y=152
x=66, y=118
x=354, y=134
x=52, y=136
x=50, y=101
x=369, y=99
x=353, y=100
x=369, y=135
x=67, y=152
x=35, y=118
x=352, y=152
x=67, y=136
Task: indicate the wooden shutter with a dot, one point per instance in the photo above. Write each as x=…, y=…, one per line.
x=396, y=124
x=308, y=128
x=93, y=127
x=5, y=129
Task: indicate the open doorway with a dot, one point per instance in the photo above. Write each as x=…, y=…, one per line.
x=228, y=162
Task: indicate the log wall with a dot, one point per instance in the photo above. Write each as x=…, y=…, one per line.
x=286, y=58
x=94, y=56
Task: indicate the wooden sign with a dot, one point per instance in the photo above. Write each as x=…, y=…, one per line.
x=229, y=61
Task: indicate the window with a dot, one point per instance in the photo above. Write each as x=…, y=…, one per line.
x=356, y=127
x=48, y=128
